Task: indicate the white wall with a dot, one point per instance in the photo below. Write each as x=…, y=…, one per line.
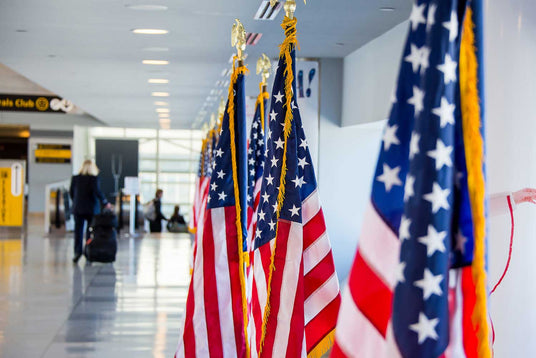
x=510, y=56
x=369, y=77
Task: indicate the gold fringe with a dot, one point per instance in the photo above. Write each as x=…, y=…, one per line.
x=289, y=25
x=260, y=101
x=324, y=346
x=231, y=112
x=474, y=153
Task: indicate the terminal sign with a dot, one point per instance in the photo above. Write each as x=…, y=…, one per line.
x=53, y=153
x=11, y=193
x=28, y=103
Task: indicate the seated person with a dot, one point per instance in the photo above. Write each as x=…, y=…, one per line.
x=176, y=222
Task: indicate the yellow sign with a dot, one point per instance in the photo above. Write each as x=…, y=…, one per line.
x=53, y=153
x=11, y=193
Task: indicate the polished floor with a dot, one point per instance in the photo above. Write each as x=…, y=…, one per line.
x=51, y=308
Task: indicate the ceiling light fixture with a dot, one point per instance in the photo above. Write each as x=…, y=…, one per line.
x=252, y=38
x=160, y=94
x=155, y=62
x=387, y=9
x=162, y=110
x=161, y=103
x=158, y=80
x=147, y=7
x=163, y=115
x=150, y=31
x=267, y=12
x=156, y=49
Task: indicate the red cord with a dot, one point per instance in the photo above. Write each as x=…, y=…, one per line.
x=511, y=243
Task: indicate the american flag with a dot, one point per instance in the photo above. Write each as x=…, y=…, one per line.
x=301, y=289
x=216, y=308
x=411, y=292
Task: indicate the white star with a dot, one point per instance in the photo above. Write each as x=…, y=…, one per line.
x=414, y=144
x=213, y=165
x=273, y=114
x=269, y=133
x=208, y=199
x=250, y=150
x=251, y=161
x=442, y=155
x=425, y=55
x=293, y=105
x=279, y=143
x=260, y=141
x=389, y=177
x=445, y=112
x=389, y=136
x=272, y=225
x=219, y=152
x=399, y=273
x=220, y=174
x=266, y=197
x=274, y=161
x=409, y=187
x=275, y=206
x=417, y=16
x=302, y=162
x=430, y=284
x=303, y=143
x=449, y=69
x=282, y=124
x=278, y=97
x=269, y=179
x=433, y=241
x=403, y=229
x=460, y=242
x=298, y=182
x=255, y=125
x=414, y=58
x=258, y=234
x=452, y=26
x=438, y=198
x=417, y=100
x=260, y=214
x=425, y=328
x=430, y=18
x=252, y=172
x=249, y=198
x=213, y=186
x=222, y=195
x=294, y=210
x=255, y=135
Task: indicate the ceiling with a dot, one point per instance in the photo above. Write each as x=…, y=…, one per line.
x=85, y=50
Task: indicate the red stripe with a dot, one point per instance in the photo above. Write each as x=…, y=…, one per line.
x=336, y=352
x=313, y=229
x=371, y=294
x=470, y=341
x=319, y=275
x=234, y=278
x=210, y=290
x=188, y=336
x=297, y=323
x=283, y=229
x=322, y=324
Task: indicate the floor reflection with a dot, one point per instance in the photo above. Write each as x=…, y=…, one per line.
x=52, y=308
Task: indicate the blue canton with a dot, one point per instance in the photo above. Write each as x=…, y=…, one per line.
x=255, y=153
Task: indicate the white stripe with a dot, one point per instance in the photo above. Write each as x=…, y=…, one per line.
x=252, y=335
x=319, y=299
x=199, y=316
x=455, y=348
x=260, y=280
x=316, y=252
x=180, y=351
x=291, y=273
x=380, y=247
x=310, y=207
x=223, y=282
x=304, y=348
x=357, y=337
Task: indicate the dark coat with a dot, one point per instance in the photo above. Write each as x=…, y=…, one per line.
x=86, y=195
x=156, y=224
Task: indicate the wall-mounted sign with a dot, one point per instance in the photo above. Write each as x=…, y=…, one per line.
x=27, y=103
x=11, y=192
x=53, y=153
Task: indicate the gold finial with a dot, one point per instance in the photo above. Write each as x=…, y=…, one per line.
x=263, y=67
x=290, y=7
x=205, y=127
x=238, y=38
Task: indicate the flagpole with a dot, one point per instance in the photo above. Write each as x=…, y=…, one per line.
x=263, y=68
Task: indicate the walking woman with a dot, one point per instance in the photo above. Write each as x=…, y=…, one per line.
x=156, y=224
x=87, y=200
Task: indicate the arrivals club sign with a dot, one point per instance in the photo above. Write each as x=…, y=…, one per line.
x=27, y=103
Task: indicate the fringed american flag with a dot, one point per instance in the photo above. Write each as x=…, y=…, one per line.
x=216, y=307
x=295, y=296
x=411, y=291
x=202, y=181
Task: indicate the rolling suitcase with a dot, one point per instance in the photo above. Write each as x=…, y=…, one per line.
x=102, y=245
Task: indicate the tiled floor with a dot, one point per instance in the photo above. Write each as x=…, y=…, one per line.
x=52, y=308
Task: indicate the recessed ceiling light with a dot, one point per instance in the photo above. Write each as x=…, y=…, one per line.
x=386, y=8
x=163, y=115
x=160, y=94
x=158, y=80
x=162, y=110
x=147, y=7
x=161, y=103
x=150, y=31
x=156, y=49
x=155, y=62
